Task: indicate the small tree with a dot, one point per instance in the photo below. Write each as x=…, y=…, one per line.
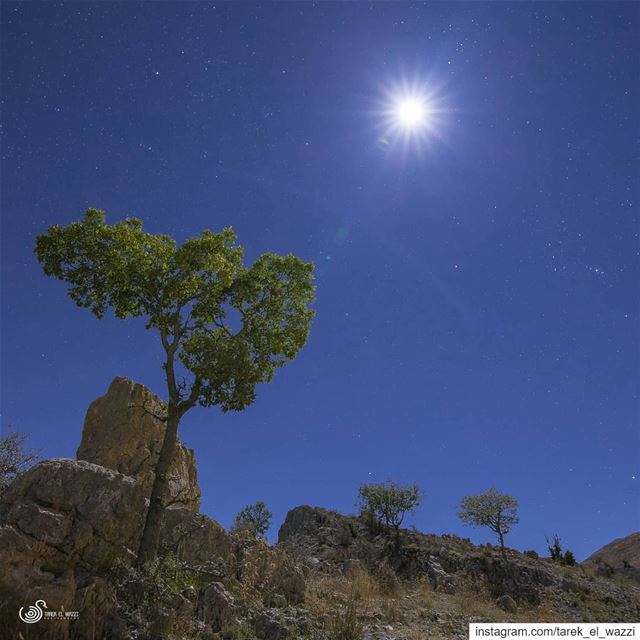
x=388, y=502
x=14, y=457
x=555, y=547
x=492, y=509
x=225, y=326
x=254, y=518
x=555, y=551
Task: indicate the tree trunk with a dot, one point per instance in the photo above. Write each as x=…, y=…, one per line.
x=504, y=555
x=150, y=541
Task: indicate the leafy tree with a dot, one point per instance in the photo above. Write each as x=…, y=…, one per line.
x=14, y=457
x=224, y=327
x=388, y=502
x=492, y=509
x=569, y=559
x=255, y=518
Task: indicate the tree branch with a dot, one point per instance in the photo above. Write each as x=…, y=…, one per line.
x=148, y=412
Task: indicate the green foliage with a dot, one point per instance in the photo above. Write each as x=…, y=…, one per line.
x=254, y=518
x=15, y=458
x=388, y=502
x=229, y=325
x=569, y=559
x=492, y=509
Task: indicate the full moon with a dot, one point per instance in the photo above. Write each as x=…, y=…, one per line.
x=410, y=113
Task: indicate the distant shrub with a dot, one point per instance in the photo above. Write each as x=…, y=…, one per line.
x=15, y=458
x=531, y=554
x=254, y=518
x=557, y=554
x=555, y=547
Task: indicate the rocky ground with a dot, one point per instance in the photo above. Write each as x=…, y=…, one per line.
x=69, y=530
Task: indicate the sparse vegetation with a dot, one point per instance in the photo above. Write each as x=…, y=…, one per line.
x=15, y=457
x=554, y=545
x=344, y=623
x=146, y=597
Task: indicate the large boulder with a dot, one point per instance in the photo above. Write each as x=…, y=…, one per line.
x=123, y=431
x=63, y=524
x=67, y=514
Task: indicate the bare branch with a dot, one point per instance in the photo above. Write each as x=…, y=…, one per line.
x=148, y=411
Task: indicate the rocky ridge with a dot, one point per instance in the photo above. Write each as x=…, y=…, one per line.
x=522, y=583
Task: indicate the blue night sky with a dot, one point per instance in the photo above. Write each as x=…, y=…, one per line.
x=477, y=301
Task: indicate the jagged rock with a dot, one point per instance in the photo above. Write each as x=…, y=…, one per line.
x=120, y=432
x=327, y=527
x=199, y=541
x=272, y=624
x=217, y=607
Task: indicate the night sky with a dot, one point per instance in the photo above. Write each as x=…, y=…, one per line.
x=477, y=316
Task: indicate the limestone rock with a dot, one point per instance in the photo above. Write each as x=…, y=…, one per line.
x=121, y=433
x=63, y=524
x=199, y=541
x=64, y=514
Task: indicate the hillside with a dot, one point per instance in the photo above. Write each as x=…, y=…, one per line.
x=69, y=530
x=619, y=554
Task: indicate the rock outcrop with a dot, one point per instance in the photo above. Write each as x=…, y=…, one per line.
x=69, y=531
x=121, y=432
x=63, y=525
x=622, y=553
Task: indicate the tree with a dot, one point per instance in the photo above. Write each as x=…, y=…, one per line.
x=14, y=457
x=555, y=547
x=388, y=502
x=555, y=551
x=492, y=509
x=254, y=518
x=223, y=327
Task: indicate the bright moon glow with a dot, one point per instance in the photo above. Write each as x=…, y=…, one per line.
x=411, y=113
